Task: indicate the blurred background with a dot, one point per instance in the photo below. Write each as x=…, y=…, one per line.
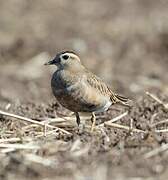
x=125, y=42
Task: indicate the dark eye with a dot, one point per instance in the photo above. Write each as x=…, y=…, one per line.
x=65, y=57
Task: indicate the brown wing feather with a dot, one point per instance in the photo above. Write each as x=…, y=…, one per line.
x=100, y=86
x=124, y=101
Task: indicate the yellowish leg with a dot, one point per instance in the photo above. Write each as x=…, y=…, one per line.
x=93, y=119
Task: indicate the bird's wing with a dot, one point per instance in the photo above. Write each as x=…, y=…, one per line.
x=102, y=88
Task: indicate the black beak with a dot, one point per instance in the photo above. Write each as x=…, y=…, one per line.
x=52, y=62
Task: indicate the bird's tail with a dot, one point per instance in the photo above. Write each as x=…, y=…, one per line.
x=123, y=100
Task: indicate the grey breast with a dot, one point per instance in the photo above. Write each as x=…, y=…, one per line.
x=67, y=91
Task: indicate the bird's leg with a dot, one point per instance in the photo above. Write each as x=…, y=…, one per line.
x=80, y=125
x=77, y=118
x=93, y=120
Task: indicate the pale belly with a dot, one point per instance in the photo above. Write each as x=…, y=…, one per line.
x=104, y=108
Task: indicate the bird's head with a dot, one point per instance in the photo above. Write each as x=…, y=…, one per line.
x=65, y=59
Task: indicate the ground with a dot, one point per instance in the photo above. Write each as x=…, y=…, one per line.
x=123, y=42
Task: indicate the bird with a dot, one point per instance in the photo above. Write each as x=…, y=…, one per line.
x=79, y=90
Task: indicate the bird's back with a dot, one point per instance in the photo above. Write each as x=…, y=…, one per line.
x=95, y=82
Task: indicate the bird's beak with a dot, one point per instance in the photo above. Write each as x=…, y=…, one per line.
x=49, y=62
x=53, y=61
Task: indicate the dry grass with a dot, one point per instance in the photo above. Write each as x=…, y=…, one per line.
x=33, y=146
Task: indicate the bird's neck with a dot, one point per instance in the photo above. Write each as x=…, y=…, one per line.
x=74, y=68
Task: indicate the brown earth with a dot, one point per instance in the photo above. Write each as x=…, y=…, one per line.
x=125, y=43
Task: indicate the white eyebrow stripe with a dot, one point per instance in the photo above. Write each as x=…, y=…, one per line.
x=72, y=55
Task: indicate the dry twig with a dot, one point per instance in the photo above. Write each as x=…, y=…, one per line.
x=115, y=119
x=19, y=146
x=156, y=151
x=111, y=123
x=124, y=127
x=157, y=100
x=160, y=122
x=40, y=160
x=33, y=121
x=7, y=150
x=161, y=130
x=10, y=140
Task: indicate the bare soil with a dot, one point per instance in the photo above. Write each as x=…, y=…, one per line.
x=125, y=43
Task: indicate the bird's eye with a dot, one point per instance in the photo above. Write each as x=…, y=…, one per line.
x=65, y=57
